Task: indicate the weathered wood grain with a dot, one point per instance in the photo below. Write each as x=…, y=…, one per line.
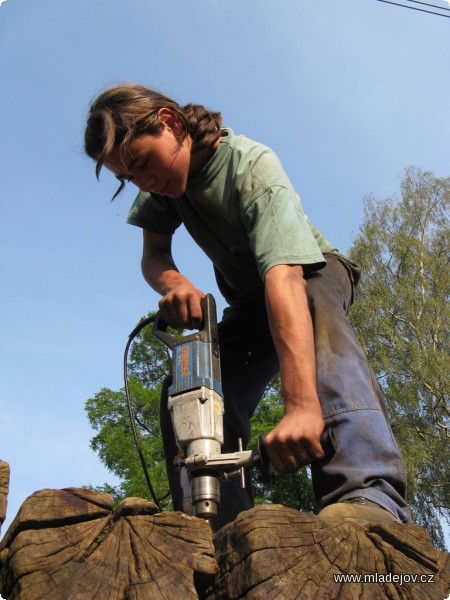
x=4, y=487
x=71, y=545
x=276, y=552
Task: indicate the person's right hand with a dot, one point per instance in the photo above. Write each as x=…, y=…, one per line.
x=181, y=307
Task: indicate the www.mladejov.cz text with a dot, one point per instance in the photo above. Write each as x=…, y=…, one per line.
x=399, y=578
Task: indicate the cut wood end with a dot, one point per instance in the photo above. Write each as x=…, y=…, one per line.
x=4, y=488
x=135, y=506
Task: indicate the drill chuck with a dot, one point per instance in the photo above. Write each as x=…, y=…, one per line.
x=205, y=495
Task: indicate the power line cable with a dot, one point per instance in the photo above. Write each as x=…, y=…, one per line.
x=427, y=4
x=418, y=9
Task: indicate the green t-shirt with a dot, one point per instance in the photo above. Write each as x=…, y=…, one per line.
x=242, y=210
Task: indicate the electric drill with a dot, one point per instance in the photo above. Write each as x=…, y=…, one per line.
x=196, y=407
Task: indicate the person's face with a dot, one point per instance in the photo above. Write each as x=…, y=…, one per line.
x=158, y=164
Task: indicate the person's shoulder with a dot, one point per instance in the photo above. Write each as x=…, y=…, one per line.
x=151, y=211
x=248, y=153
x=242, y=142
x=134, y=215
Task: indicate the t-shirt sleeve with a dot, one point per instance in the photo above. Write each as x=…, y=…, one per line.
x=154, y=213
x=277, y=227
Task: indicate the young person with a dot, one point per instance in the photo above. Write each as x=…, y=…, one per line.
x=288, y=292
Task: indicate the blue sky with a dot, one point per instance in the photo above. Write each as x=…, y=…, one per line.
x=347, y=92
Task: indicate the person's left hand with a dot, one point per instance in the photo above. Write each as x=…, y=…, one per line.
x=295, y=441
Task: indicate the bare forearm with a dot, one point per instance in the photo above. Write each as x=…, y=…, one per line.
x=292, y=331
x=180, y=305
x=295, y=441
x=161, y=273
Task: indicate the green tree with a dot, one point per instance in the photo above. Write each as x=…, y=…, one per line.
x=108, y=415
x=402, y=316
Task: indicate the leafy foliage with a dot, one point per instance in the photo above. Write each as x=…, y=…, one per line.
x=108, y=415
x=114, y=443
x=402, y=316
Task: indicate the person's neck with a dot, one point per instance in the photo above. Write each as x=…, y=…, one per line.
x=200, y=158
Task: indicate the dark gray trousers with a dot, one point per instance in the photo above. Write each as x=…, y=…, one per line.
x=363, y=458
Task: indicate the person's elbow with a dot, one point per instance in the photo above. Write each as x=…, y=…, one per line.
x=281, y=274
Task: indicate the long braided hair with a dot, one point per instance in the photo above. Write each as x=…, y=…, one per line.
x=123, y=112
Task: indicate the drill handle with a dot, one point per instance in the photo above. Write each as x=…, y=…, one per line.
x=208, y=332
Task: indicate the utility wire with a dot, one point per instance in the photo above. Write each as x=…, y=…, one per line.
x=419, y=9
x=427, y=4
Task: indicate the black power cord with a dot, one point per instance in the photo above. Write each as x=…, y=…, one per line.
x=139, y=327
